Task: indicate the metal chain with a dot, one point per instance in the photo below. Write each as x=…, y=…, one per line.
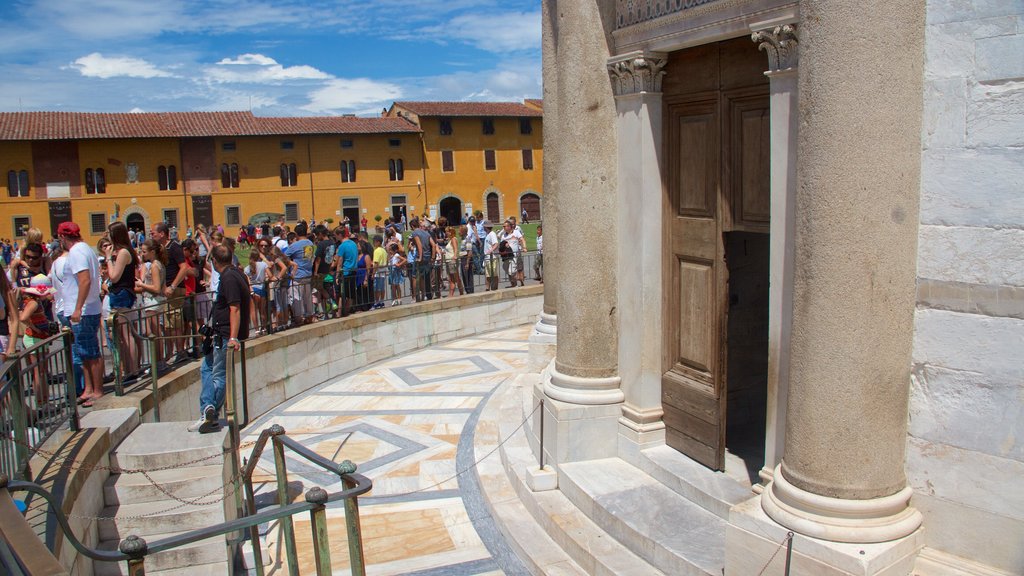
x=785, y=540
x=196, y=502
x=474, y=464
x=77, y=465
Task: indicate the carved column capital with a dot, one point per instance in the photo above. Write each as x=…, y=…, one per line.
x=637, y=72
x=780, y=44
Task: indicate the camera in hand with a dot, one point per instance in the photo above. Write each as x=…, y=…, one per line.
x=207, y=333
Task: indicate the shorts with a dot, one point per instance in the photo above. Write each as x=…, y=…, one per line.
x=452, y=267
x=121, y=299
x=175, y=303
x=258, y=291
x=30, y=341
x=378, y=282
x=87, y=342
x=395, y=277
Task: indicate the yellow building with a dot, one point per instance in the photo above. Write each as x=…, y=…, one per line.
x=231, y=168
x=482, y=156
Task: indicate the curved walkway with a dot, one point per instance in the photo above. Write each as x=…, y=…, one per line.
x=408, y=423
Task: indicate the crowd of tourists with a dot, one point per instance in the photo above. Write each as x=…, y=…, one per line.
x=146, y=296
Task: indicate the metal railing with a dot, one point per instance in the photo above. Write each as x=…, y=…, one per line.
x=134, y=550
x=37, y=397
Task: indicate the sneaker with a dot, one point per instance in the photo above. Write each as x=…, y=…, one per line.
x=208, y=423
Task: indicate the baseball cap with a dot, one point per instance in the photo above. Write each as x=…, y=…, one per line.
x=69, y=229
x=487, y=224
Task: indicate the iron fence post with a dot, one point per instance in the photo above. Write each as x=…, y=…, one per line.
x=136, y=548
x=154, y=373
x=67, y=339
x=19, y=408
x=115, y=320
x=282, y=499
x=789, y=551
x=318, y=520
x=352, y=526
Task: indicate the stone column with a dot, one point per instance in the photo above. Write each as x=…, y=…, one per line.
x=636, y=83
x=842, y=476
x=543, y=337
x=779, y=42
x=842, y=479
x=582, y=385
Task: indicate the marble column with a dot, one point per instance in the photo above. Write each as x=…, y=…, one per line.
x=840, y=485
x=778, y=40
x=855, y=247
x=636, y=83
x=543, y=336
x=581, y=387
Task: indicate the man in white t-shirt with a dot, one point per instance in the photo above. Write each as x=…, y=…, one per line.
x=491, y=257
x=81, y=295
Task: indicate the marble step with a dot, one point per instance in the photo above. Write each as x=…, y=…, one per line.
x=713, y=491
x=162, y=444
x=121, y=569
x=528, y=540
x=654, y=522
x=186, y=483
x=932, y=562
x=585, y=543
x=147, y=518
x=209, y=551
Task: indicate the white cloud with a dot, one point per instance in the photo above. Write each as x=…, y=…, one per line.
x=97, y=65
x=257, y=69
x=518, y=31
x=342, y=95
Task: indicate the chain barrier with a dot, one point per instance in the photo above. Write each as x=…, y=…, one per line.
x=786, y=540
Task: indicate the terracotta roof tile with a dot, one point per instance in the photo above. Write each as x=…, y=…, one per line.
x=83, y=125
x=469, y=109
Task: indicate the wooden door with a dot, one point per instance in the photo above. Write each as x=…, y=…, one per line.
x=693, y=389
x=493, y=211
x=716, y=180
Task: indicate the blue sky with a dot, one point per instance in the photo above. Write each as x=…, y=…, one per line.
x=277, y=58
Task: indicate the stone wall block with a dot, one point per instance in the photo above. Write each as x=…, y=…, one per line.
x=945, y=113
x=965, y=476
x=989, y=347
x=999, y=58
x=949, y=51
x=966, y=410
x=995, y=115
x=972, y=188
x=944, y=11
x=975, y=255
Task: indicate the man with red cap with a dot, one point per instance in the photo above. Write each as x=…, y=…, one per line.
x=80, y=294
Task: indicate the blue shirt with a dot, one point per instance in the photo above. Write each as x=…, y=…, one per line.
x=348, y=251
x=301, y=252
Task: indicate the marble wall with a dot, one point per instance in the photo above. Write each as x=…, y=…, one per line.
x=965, y=453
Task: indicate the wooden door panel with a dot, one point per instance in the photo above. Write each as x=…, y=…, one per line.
x=692, y=390
x=747, y=146
x=695, y=283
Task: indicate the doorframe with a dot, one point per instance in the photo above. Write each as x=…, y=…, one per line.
x=640, y=154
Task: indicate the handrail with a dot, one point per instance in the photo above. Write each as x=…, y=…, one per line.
x=134, y=550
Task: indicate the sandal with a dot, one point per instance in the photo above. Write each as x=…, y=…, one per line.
x=87, y=403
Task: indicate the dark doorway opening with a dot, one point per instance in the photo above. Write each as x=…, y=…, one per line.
x=493, y=210
x=747, y=259
x=451, y=209
x=530, y=203
x=136, y=222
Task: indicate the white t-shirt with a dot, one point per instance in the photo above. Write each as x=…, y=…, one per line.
x=540, y=244
x=514, y=240
x=257, y=278
x=57, y=279
x=81, y=257
x=281, y=243
x=491, y=243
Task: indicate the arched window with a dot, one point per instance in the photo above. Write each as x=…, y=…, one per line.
x=289, y=175
x=348, y=170
x=167, y=177
x=17, y=183
x=229, y=175
x=396, y=169
x=95, y=181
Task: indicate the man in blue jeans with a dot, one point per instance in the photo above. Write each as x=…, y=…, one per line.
x=230, y=319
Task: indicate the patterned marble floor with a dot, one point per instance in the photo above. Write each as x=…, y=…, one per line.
x=408, y=424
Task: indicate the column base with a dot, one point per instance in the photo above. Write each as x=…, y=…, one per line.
x=583, y=390
x=753, y=539
x=574, y=432
x=543, y=339
x=838, y=519
x=639, y=430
